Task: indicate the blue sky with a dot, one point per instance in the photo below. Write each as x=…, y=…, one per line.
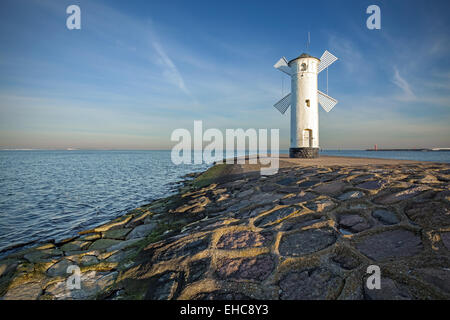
x=137, y=70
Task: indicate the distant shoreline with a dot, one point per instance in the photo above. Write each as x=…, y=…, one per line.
x=425, y=149
x=281, y=150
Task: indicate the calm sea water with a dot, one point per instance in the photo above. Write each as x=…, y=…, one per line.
x=54, y=194
x=434, y=156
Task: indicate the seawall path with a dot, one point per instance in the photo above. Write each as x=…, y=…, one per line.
x=308, y=232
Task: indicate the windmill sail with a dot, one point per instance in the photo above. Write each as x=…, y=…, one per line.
x=326, y=101
x=283, y=104
x=282, y=65
x=326, y=60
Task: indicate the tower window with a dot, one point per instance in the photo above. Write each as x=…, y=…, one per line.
x=304, y=67
x=307, y=103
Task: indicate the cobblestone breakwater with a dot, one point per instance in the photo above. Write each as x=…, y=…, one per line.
x=308, y=232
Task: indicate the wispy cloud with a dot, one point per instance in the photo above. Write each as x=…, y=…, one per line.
x=132, y=80
x=170, y=71
x=348, y=52
x=398, y=80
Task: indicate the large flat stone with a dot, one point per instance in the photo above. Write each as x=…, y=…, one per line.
x=385, y=216
x=123, y=244
x=275, y=215
x=88, y=260
x=308, y=184
x=429, y=214
x=245, y=194
x=140, y=219
x=118, y=234
x=317, y=284
x=298, y=198
x=264, y=198
x=197, y=269
x=401, y=195
x=353, y=223
x=286, y=181
x=351, y=195
x=60, y=268
x=26, y=291
x=36, y=256
x=163, y=287
x=389, y=290
x=390, y=244
x=445, y=236
x=332, y=188
x=184, y=248
x=103, y=244
x=7, y=267
x=333, y=176
x=92, y=283
x=299, y=222
x=346, y=259
x=320, y=205
x=269, y=187
x=443, y=195
x=76, y=245
x=118, y=223
x=243, y=239
x=438, y=277
x=371, y=185
x=362, y=178
x=121, y=255
x=306, y=242
x=142, y=231
x=254, y=268
x=253, y=213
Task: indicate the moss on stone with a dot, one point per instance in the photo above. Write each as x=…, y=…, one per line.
x=210, y=176
x=118, y=234
x=103, y=244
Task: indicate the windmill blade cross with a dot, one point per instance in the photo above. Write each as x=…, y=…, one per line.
x=326, y=101
x=283, y=104
x=326, y=60
x=283, y=66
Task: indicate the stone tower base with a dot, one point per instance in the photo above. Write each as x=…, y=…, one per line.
x=303, y=152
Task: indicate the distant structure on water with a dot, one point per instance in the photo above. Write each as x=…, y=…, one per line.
x=304, y=99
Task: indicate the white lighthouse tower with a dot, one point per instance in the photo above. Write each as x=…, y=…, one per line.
x=304, y=100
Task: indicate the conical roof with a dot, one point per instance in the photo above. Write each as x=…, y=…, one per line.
x=303, y=55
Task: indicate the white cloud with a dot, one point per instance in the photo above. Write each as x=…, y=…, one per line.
x=348, y=53
x=408, y=94
x=170, y=69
